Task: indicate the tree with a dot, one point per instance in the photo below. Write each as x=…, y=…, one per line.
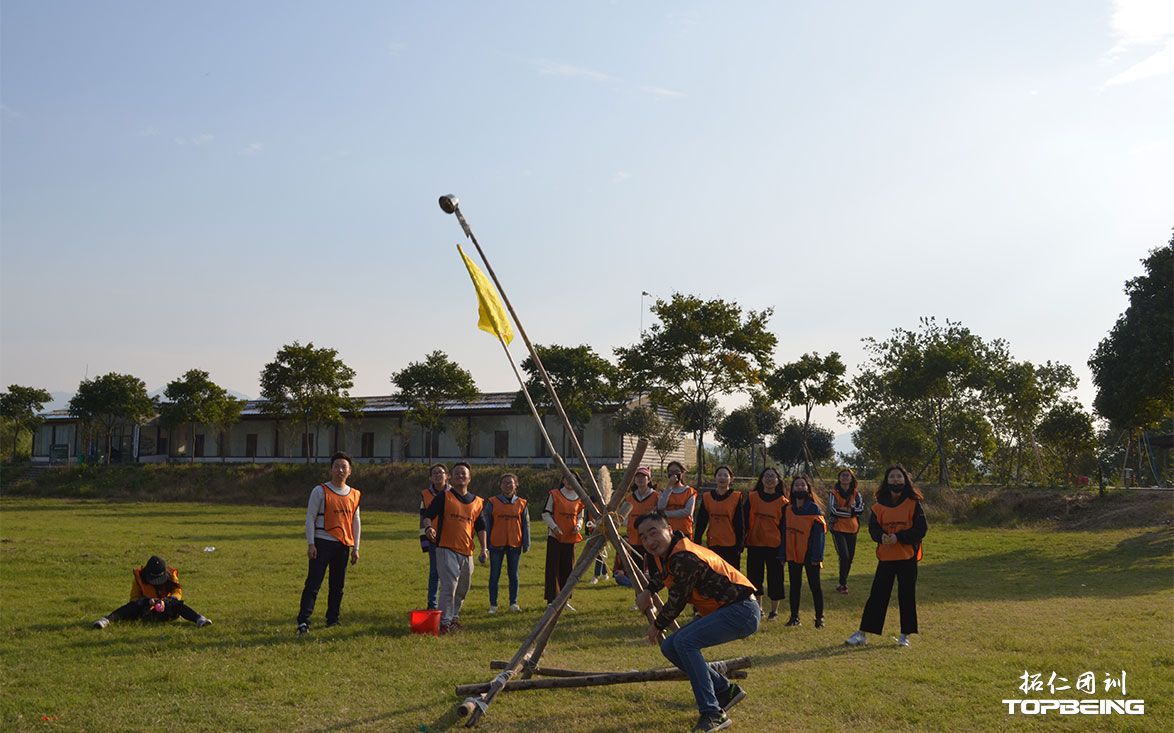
x=699, y=350
x=104, y=401
x=937, y=374
x=308, y=384
x=665, y=438
x=637, y=420
x=743, y=429
x=810, y=381
x=584, y=381
x=21, y=408
x=883, y=439
x=788, y=448
x=195, y=398
x=426, y=387
x=1133, y=366
x=1066, y=430
x=1019, y=392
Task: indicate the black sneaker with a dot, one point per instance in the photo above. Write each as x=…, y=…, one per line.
x=331, y=623
x=734, y=695
x=773, y=615
x=711, y=722
x=793, y=622
x=819, y=622
x=302, y=629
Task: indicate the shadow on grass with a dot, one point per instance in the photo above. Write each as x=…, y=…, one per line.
x=1137, y=565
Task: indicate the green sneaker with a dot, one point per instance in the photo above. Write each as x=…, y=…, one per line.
x=734, y=694
x=711, y=722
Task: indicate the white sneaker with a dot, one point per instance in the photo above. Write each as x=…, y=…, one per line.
x=493, y=609
x=515, y=607
x=568, y=607
x=857, y=639
x=635, y=607
x=102, y=623
x=903, y=640
x=203, y=621
x=595, y=580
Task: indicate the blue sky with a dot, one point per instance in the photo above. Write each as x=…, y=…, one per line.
x=195, y=186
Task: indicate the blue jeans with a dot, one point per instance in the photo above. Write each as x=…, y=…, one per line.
x=512, y=555
x=433, y=578
x=683, y=649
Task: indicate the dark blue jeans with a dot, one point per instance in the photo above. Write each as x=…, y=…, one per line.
x=433, y=579
x=332, y=555
x=511, y=555
x=683, y=648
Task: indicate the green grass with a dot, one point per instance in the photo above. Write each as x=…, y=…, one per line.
x=992, y=602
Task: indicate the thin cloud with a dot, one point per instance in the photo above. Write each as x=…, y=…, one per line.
x=550, y=68
x=1142, y=25
x=395, y=48
x=201, y=139
x=252, y=149
x=620, y=176
x=149, y=132
x=662, y=92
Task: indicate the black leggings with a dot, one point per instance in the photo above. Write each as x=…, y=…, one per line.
x=140, y=610
x=846, y=548
x=760, y=559
x=796, y=572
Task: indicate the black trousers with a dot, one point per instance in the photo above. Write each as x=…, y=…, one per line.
x=846, y=549
x=905, y=573
x=560, y=560
x=332, y=555
x=765, y=559
x=796, y=572
x=140, y=610
x=732, y=555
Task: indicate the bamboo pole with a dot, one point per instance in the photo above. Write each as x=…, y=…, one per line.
x=725, y=667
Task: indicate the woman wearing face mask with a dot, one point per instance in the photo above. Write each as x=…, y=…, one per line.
x=763, y=520
x=641, y=501
x=720, y=513
x=897, y=525
x=845, y=505
x=804, y=530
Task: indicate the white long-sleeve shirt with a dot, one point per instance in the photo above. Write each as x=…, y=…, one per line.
x=685, y=511
x=317, y=506
x=548, y=511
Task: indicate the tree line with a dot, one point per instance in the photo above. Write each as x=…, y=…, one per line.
x=940, y=399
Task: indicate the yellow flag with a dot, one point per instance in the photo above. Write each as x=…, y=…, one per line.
x=491, y=316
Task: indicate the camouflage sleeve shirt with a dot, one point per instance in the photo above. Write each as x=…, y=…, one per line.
x=690, y=573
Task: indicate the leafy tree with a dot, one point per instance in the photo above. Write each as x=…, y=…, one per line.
x=584, y=381
x=1066, y=430
x=699, y=350
x=195, y=398
x=104, y=401
x=637, y=420
x=937, y=374
x=1019, y=392
x=788, y=448
x=308, y=384
x=743, y=429
x=883, y=439
x=21, y=407
x=810, y=381
x=426, y=387
x=665, y=438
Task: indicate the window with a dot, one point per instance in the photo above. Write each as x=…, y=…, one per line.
x=368, y=446
x=251, y=445
x=501, y=444
x=199, y=445
x=308, y=444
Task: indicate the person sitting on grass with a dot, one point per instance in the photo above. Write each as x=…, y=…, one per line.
x=725, y=603
x=155, y=595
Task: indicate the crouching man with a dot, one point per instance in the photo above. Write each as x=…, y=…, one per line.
x=723, y=598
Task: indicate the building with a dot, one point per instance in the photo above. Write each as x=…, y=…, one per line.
x=487, y=430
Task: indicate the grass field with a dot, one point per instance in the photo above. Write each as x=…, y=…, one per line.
x=993, y=603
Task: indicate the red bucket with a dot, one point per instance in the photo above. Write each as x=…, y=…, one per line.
x=424, y=622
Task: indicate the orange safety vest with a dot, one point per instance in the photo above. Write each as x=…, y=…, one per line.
x=566, y=515
x=799, y=529
x=507, y=522
x=893, y=519
x=338, y=512
x=704, y=604
x=684, y=525
x=720, y=532
x=762, y=527
x=427, y=496
x=147, y=590
x=639, y=509
x=456, y=531
x=851, y=525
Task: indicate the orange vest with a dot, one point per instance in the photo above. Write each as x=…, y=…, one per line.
x=427, y=496
x=684, y=525
x=639, y=509
x=507, y=522
x=338, y=513
x=720, y=532
x=456, y=531
x=894, y=519
x=851, y=525
x=799, y=528
x=762, y=526
x=566, y=515
x=149, y=591
x=704, y=604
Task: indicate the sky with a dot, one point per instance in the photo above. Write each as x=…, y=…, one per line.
x=193, y=186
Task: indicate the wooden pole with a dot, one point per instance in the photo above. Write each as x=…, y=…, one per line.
x=725, y=667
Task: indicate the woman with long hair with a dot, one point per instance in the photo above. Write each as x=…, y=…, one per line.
x=763, y=519
x=804, y=529
x=897, y=525
x=678, y=500
x=719, y=518
x=563, y=515
x=845, y=505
